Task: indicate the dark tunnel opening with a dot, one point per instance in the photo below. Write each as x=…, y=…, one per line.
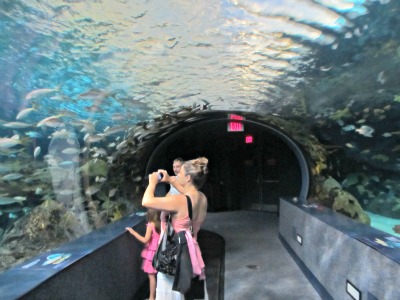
x=244, y=174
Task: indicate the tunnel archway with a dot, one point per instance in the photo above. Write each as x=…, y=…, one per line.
x=249, y=176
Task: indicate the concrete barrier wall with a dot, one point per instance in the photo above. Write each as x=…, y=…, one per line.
x=338, y=254
x=104, y=264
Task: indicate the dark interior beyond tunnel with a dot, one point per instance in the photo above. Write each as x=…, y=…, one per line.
x=243, y=175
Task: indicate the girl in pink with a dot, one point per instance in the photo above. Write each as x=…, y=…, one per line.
x=151, y=242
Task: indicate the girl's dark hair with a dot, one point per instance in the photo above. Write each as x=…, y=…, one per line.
x=198, y=170
x=154, y=216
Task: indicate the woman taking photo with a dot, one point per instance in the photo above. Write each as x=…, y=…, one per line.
x=191, y=177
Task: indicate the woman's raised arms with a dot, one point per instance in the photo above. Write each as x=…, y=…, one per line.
x=172, y=203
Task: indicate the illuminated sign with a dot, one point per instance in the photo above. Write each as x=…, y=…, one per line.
x=235, y=126
x=249, y=139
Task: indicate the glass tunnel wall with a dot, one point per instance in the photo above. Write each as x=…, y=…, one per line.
x=89, y=90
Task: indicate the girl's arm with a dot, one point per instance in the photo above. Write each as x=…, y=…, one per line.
x=144, y=239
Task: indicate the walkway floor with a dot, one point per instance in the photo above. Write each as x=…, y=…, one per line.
x=257, y=266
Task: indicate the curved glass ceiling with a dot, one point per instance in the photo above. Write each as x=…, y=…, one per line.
x=144, y=58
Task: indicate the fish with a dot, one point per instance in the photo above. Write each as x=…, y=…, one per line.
x=53, y=121
x=92, y=138
x=36, y=152
x=70, y=151
x=381, y=157
x=340, y=122
x=59, y=98
x=66, y=163
x=8, y=200
x=12, y=216
x=113, y=130
x=357, y=32
x=62, y=134
x=12, y=176
x=365, y=130
x=17, y=125
x=349, y=127
x=112, y=192
x=100, y=179
x=375, y=178
x=122, y=144
x=378, y=111
x=39, y=93
x=84, y=149
x=9, y=142
x=100, y=151
x=349, y=145
x=325, y=69
x=24, y=113
x=96, y=95
x=91, y=190
x=88, y=127
x=34, y=134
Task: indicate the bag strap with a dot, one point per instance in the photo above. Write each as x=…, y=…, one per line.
x=189, y=204
x=168, y=228
x=168, y=218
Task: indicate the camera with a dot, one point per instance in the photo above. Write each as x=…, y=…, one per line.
x=160, y=176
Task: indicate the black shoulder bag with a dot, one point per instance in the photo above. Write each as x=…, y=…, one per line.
x=164, y=259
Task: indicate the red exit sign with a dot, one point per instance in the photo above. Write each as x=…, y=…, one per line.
x=249, y=139
x=234, y=125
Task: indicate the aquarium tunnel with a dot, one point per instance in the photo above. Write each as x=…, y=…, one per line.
x=295, y=104
x=256, y=165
